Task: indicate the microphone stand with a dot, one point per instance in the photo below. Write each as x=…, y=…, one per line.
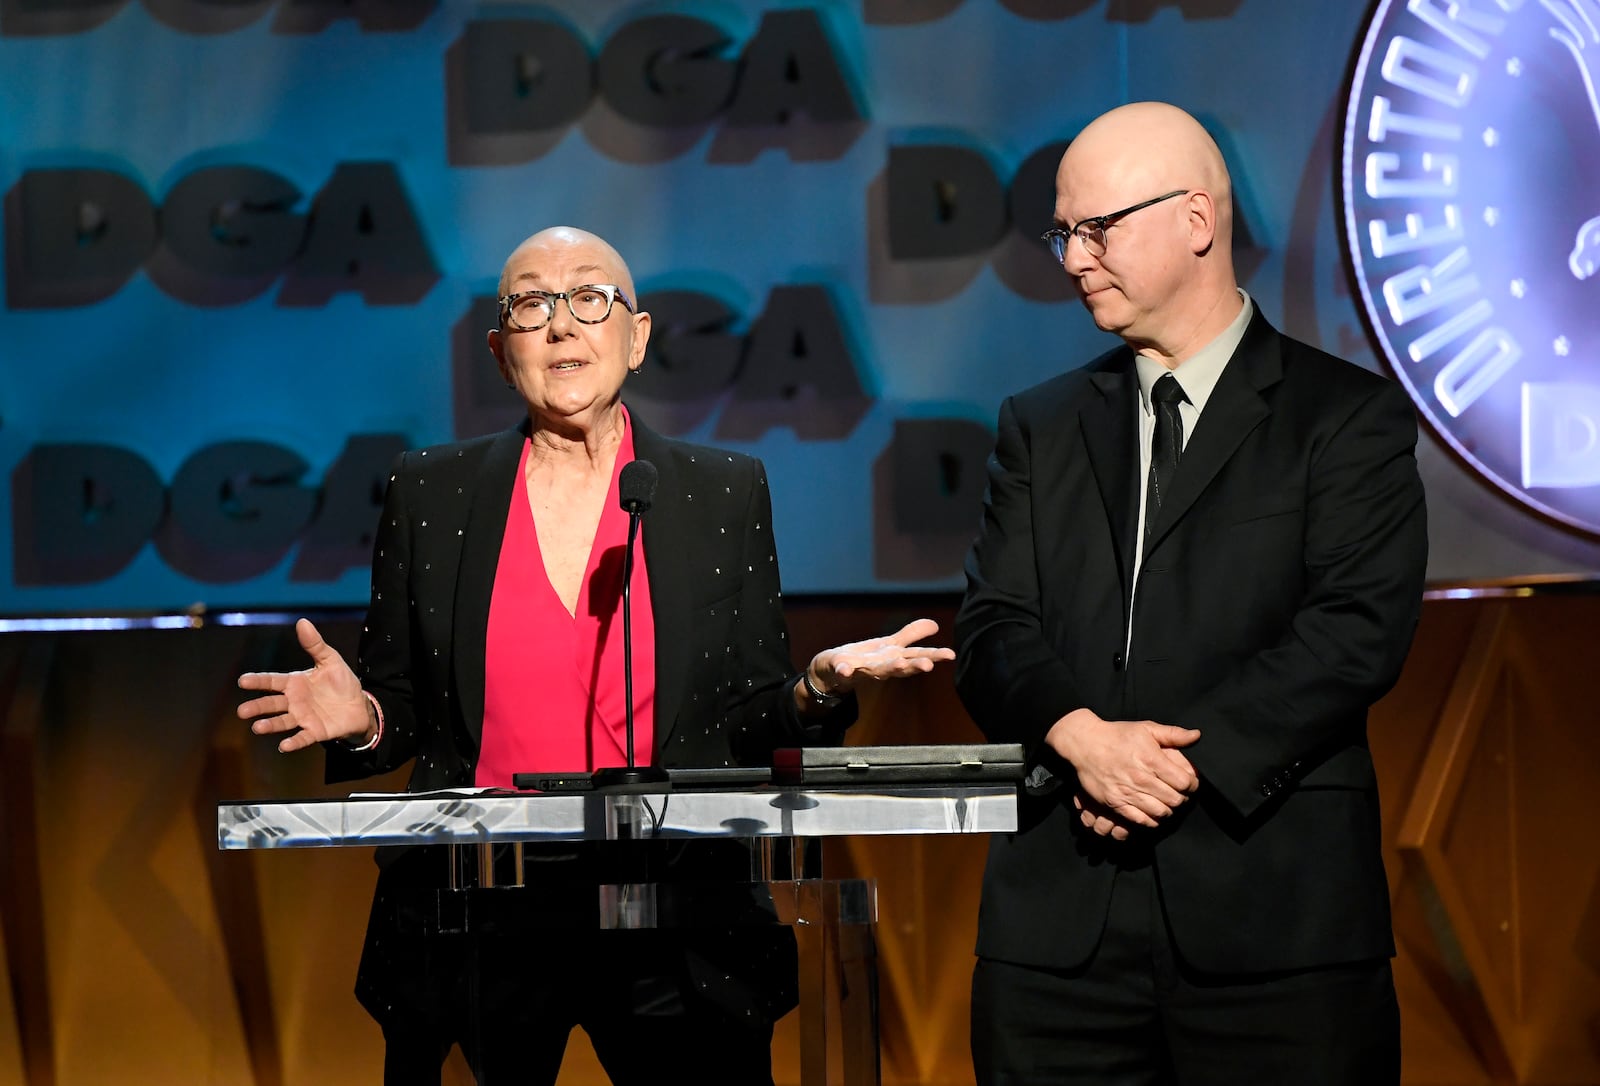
x=629, y=778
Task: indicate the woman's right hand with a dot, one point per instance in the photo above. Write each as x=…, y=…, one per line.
x=321, y=703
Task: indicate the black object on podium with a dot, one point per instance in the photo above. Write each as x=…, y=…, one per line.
x=940, y=763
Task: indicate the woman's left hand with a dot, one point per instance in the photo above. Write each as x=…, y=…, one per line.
x=845, y=668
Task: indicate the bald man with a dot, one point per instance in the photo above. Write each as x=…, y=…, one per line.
x=1200, y=562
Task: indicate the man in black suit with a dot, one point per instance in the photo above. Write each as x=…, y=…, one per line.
x=1201, y=561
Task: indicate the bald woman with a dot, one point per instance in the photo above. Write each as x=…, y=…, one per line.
x=492, y=647
x=1200, y=562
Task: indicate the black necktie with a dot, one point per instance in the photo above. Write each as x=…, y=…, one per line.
x=1165, y=446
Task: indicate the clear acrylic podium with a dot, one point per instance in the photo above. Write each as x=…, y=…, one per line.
x=486, y=835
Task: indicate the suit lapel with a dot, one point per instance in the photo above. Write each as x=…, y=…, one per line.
x=1111, y=436
x=1234, y=409
x=490, y=503
x=665, y=532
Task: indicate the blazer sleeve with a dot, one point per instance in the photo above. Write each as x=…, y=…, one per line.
x=760, y=711
x=1268, y=721
x=384, y=651
x=1011, y=681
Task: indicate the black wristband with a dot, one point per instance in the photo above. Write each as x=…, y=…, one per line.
x=825, y=701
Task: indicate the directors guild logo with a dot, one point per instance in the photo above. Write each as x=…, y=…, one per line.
x=1471, y=188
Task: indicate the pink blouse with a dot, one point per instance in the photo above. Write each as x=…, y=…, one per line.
x=553, y=682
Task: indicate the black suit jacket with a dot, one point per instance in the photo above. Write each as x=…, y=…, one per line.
x=1277, y=601
x=723, y=675
x=724, y=682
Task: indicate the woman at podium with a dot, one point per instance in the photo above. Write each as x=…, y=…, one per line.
x=493, y=646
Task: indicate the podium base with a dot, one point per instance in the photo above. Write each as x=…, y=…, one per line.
x=641, y=778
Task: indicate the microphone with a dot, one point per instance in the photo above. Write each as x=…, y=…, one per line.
x=636, y=490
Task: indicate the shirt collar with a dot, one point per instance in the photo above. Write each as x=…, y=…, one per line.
x=1198, y=374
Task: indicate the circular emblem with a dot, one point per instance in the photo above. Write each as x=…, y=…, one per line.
x=1471, y=199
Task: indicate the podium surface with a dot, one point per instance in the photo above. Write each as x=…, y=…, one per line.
x=468, y=817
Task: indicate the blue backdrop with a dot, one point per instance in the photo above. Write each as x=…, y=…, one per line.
x=856, y=187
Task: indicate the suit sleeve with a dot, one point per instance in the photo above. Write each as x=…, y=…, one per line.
x=760, y=710
x=384, y=652
x=1011, y=681
x=1266, y=723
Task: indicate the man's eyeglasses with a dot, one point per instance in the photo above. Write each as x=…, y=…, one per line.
x=531, y=310
x=1092, y=232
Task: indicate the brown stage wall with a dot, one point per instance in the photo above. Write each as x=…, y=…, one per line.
x=136, y=954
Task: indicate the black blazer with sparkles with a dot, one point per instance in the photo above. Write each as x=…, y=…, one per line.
x=724, y=681
x=723, y=674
